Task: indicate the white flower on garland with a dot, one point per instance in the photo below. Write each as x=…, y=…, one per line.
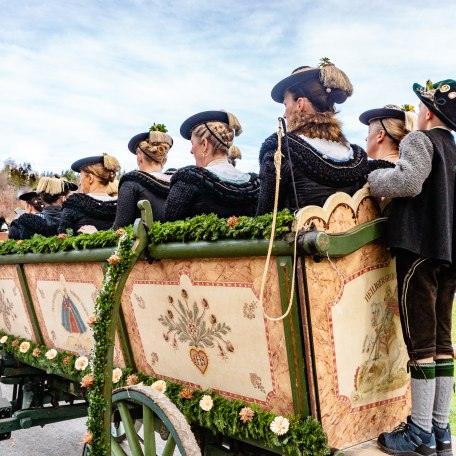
x=280, y=425
x=24, y=347
x=206, y=402
x=51, y=354
x=116, y=375
x=160, y=386
x=81, y=363
x=3, y=339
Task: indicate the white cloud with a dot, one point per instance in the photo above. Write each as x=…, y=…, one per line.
x=82, y=78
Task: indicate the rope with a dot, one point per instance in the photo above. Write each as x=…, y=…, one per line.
x=278, y=167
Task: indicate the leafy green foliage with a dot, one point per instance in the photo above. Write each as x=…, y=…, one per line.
x=103, y=342
x=212, y=228
x=158, y=127
x=54, y=244
x=202, y=227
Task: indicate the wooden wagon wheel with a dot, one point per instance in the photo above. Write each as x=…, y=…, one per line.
x=158, y=415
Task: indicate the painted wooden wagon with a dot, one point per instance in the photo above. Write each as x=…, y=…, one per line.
x=183, y=342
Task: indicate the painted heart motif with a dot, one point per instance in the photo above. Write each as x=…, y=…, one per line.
x=199, y=359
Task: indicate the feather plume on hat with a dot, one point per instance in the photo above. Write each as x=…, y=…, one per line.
x=51, y=185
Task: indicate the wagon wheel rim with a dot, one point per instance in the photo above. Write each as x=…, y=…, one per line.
x=156, y=408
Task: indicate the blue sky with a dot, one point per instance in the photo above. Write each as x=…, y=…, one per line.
x=80, y=78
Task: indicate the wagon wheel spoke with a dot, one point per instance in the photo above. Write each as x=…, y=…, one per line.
x=149, y=432
x=169, y=447
x=116, y=449
x=132, y=437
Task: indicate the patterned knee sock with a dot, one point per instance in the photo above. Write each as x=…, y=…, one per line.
x=444, y=382
x=423, y=393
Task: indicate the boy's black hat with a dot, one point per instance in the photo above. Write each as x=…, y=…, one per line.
x=440, y=98
x=27, y=196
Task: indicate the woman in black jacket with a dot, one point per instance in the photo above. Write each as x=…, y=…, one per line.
x=322, y=161
x=214, y=185
x=52, y=191
x=149, y=182
x=93, y=206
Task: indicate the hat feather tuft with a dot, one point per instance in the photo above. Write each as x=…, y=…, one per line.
x=333, y=78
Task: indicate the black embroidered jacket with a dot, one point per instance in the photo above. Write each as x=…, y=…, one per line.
x=135, y=186
x=80, y=209
x=316, y=177
x=196, y=191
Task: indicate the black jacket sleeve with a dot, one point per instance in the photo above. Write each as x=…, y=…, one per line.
x=268, y=176
x=180, y=200
x=126, y=206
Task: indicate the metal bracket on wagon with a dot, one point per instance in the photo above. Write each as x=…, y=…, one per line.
x=320, y=243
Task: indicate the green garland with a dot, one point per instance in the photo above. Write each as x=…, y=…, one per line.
x=202, y=227
x=63, y=364
x=119, y=262
x=63, y=242
x=212, y=228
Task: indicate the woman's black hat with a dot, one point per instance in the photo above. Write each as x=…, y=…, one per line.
x=201, y=118
x=382, y=113
x=440, y=98
x=83, y=162
x=133, y=143
x=299, y=76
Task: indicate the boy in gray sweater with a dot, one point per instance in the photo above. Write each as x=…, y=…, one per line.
x=422, y=235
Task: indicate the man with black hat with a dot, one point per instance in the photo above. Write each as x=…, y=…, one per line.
x=422, y=234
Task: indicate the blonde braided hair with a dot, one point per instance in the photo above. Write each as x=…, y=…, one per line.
x=106, y=171
x=221, y=135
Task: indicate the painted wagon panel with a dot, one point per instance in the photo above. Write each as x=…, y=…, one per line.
x=14, y=314
x=200, y=323
x=359, y=355
x=64, y=297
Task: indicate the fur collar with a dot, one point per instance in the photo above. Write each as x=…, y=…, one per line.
x=323, y=125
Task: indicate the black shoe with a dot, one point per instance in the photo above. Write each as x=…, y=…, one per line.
x=408, y=439
x=443, y=440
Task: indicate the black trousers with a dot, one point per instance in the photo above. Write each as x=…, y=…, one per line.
x=426, y=290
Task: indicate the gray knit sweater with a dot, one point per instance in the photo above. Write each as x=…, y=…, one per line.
x=411, y=170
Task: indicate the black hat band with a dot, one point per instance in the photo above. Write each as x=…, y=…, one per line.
x=216, y=137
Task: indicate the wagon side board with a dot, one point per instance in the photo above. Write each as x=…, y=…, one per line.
x=359, y=360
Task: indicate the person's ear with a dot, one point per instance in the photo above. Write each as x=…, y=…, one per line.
x=301, y=104
x=164, y=161
x=381, y=136
x=205, y=145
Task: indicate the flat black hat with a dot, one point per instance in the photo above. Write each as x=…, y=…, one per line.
x=133, y=143
x=300, y=75
x=70, y=186
x=201, y=118
x=82, y=162
x=27, y=196
x=440, y=99
x=382, y=113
